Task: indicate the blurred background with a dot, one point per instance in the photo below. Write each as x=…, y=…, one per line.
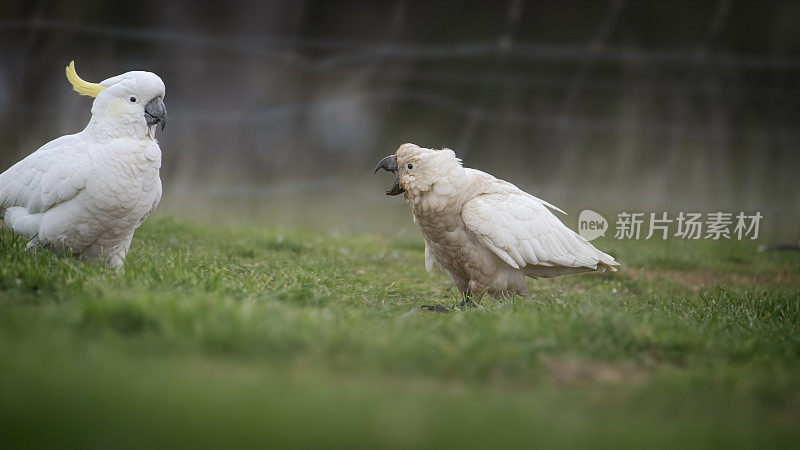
x=279, y=110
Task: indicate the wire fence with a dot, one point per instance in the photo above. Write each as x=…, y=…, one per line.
x=652, y=100
x=342, y=55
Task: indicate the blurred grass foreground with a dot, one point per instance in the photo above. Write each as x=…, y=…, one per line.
x=235, y=336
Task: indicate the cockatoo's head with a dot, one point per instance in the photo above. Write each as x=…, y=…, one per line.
x=419, y=169
x=130, y=105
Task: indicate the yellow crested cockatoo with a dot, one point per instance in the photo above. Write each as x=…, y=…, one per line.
x=84, y=194
x=486, y=233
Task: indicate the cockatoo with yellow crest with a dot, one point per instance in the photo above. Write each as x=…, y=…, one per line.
x=486, y=233
x=84, y=194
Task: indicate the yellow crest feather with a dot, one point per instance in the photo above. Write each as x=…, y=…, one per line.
x=81, y=86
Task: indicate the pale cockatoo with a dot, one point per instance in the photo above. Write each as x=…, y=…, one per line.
x=84, y=194
x=486, y=233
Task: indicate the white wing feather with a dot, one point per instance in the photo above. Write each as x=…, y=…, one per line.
x=53, y=174
x=520, y=230
x=155, y=203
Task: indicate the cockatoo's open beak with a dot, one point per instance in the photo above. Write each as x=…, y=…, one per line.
x=390, y=164
x=156, y=112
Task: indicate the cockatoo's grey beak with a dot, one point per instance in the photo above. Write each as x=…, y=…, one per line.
x=396, y=189
x=390, y=164
x=156, y=112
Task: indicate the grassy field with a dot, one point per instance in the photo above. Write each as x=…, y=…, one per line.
x=234, y=336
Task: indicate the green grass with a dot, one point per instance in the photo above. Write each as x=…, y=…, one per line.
x=235, y=336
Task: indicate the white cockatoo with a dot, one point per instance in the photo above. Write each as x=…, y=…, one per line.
x=486, y=233
x=84, y=194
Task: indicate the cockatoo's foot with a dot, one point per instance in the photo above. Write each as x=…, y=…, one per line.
x=115, y=262
x=33, y=245
x=466, y=303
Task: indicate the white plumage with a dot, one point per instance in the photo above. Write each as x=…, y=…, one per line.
x=485, y=232
x=85, y=194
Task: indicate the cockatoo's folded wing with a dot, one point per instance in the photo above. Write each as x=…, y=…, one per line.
x=155, y=203
x=53, y=174
x=522, y=231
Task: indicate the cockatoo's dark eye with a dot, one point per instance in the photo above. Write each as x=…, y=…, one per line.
x=133, y=99
x=410, y=166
